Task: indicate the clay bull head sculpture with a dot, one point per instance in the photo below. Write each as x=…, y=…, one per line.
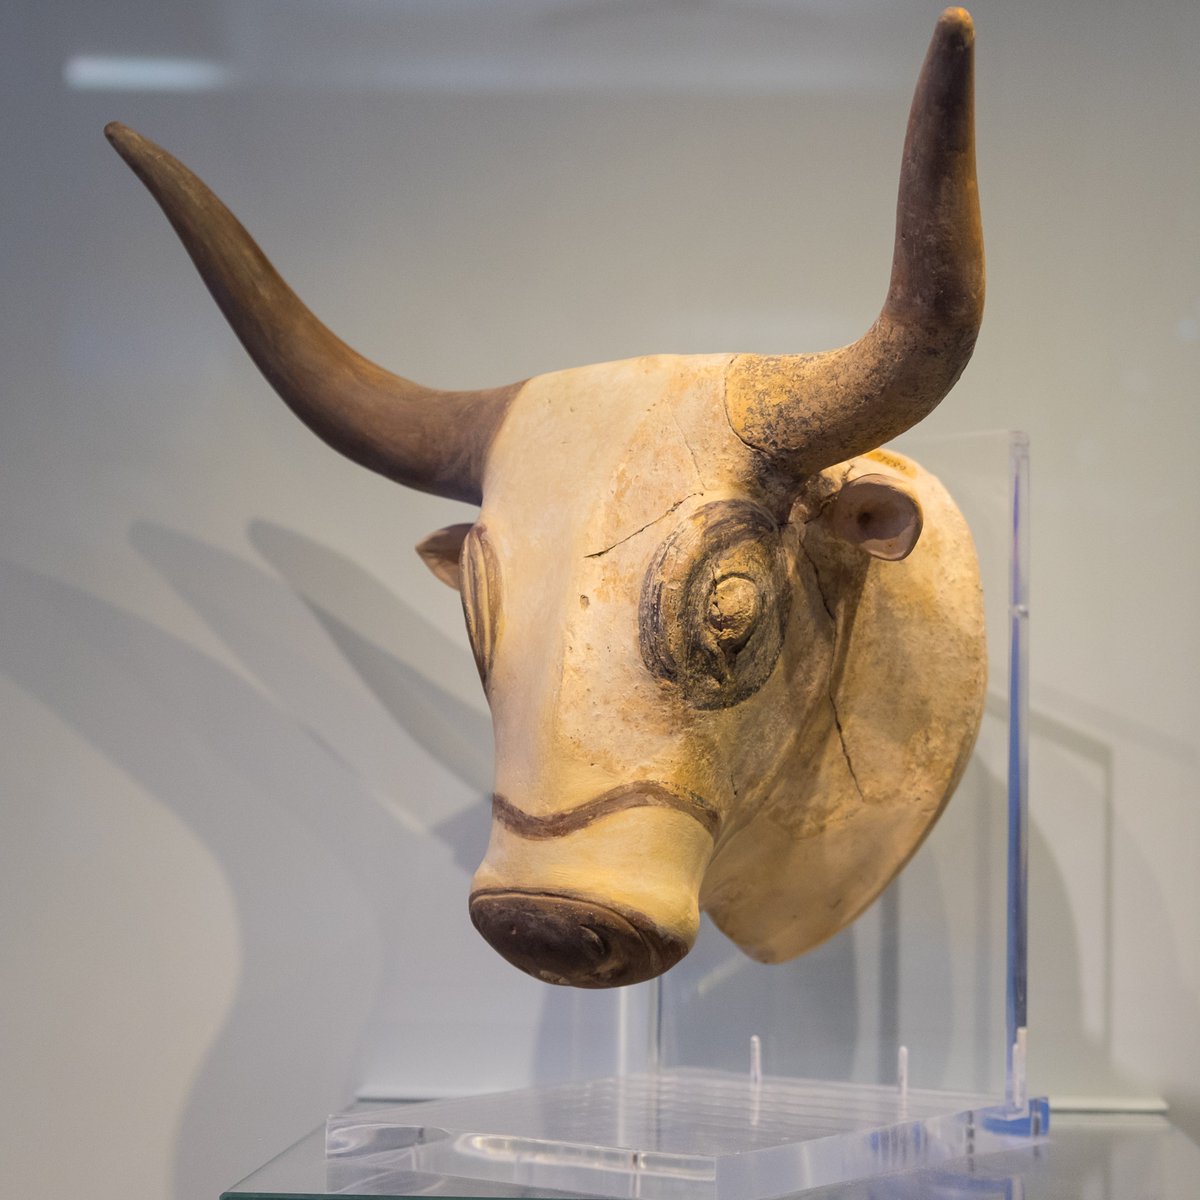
x=733, y=651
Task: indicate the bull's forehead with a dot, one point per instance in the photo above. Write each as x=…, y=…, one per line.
x=591, y=471
x=595, y=454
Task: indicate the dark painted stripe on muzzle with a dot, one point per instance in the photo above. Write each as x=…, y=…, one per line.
x=647, y=794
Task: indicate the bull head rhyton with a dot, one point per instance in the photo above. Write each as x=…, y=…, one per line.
x=723, y=671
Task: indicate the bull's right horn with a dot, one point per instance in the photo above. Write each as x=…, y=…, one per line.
x=432, y=440
x=819, y=409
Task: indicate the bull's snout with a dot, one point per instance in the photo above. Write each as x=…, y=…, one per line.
x=569, y=940
x=599, y=893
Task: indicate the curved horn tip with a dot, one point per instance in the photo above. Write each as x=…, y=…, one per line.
x=125, y=141
x=956, y=24
x=117, y=133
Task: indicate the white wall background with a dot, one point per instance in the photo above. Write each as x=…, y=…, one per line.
x=243, y=755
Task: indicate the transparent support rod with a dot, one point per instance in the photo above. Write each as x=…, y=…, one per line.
x=1016, y=1091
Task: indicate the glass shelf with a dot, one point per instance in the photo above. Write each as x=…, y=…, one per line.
x=1121, y=1156
x=676, y=1134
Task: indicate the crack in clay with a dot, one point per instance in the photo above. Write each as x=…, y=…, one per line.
x=695, y=462
x=660, y=517
x=837, y=721
x=833, y=708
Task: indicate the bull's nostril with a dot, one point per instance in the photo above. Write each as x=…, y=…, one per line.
x=593, y=944
x=569, y=940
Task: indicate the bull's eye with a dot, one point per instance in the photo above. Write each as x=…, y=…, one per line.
x=714, y=604
x=733, y=609
x=481, y=597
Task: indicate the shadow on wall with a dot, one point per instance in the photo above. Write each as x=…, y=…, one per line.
x=1075, y=844
x=717, y=998
x=326, y=874
x=192, y=733
x=393, y=650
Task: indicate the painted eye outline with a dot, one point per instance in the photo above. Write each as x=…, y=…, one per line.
x=727, y=556
x=480, y=591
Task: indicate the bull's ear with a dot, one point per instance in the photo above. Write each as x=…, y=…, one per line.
x=441, y=552
x=879, y=514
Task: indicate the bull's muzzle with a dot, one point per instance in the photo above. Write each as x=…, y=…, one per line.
x=597, y=894
x=570, y=940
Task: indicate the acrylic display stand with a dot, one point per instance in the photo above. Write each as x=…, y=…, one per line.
x=846, y=1034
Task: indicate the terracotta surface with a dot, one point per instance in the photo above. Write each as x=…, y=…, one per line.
x=734, y=655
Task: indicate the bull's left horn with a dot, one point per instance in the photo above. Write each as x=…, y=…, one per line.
x=823, y=408
x=432, y=440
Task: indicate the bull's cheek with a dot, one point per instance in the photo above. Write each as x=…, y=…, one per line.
x=640, y=868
